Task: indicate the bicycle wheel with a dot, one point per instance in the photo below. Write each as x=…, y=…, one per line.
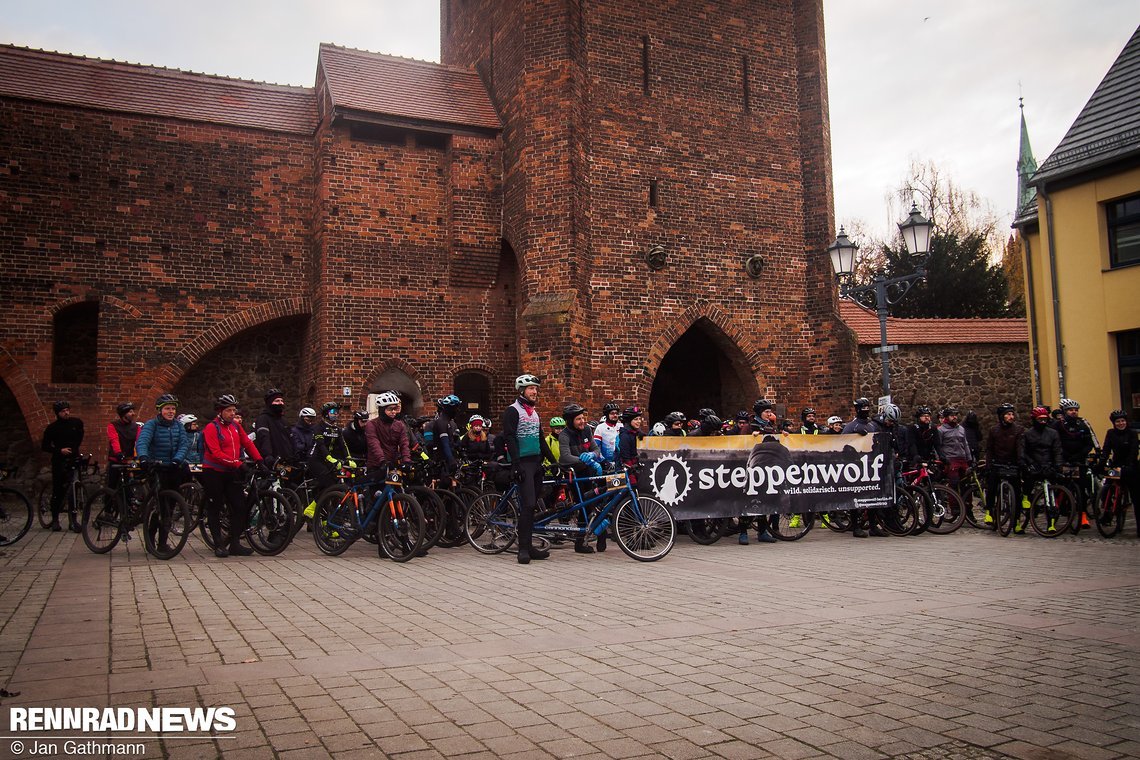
x=43, y=504
x=900, y=517
x=1111, y=509
x=223, y=528
x=195, y=497
x=401, y=528
x=270, y=524
x=924, y=509
x=103, y=520
x=1007, y=507
x=645, y=531
x=431, y=502
x=332, y=523
x=947, y=510
x=973, y=504
x=454, y=512
x=705, y=532
x=1050, y=517
x=166, y=524
x=791, y=527
x=840, y=522
x=293, y=502
x=468, y=495
x=15, y=515
x=490, y=523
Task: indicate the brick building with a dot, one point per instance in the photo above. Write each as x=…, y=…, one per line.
x=628, y=201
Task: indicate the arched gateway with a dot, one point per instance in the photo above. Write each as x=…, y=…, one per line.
x=704, y=367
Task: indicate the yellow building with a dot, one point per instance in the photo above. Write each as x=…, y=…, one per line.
x=1079, y=223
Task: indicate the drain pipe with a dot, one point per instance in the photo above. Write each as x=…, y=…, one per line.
x=1056, y=296
x=1031, y=303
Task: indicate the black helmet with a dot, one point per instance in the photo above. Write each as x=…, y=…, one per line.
x=1003, y=408
x=59, y=406
x=610, y=406
x=743, y=416
x=225, y=400
x=675, y=417
x=947, y=411
x=706, y=412
x=124, y=407
x=360, y=416
x=805, y=412
x=762, y=404
x=862, y=404
x=330, y=406
x=921, y=410
x=165, y=400
x=630, y=413
x=272, y=394
x=710, y=424
x=1117, y=414
x=572, y=410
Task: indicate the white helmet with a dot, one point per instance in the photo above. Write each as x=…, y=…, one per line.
x=308, y=411
x=186, y=419
x=834, y=419
x=386, y=399
x=658, y=429
x=523, y=381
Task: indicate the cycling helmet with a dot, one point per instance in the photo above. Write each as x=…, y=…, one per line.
x=631, y=413
x=805, y=412
x=694, y=424
x=59, y=406
x=1039, y=413
x=919, y=411
x=949, y=411
x=124, y=407
x=1003, y=408
x=1067, y=404
x=386, y=399
x=710, y=424
x=657, y=429
x=706, y=412
x=862, y=404
x=572, y=410
x=166, y=399
x=891, y=412
x=272, y=394
x=834, y=419
x=557, y=422
x=762, y=404
x=611, y=406
x=308, y=411
x=1117, y=414
x=224, y=401
x=674, y=417
x=360, y=416
x=477, y=420
x=450, y=401
x=743, y=416
x=523, y=381
x=186, y=419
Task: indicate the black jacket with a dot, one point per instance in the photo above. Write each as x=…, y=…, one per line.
x=1076, y=439
x=275, y=442
x=63, y=434
x=354, y=441
x=1120, y=449
x=1042, y=447
x=1005, y=444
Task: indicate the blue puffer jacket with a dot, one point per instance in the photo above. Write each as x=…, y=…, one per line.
x=163, y=441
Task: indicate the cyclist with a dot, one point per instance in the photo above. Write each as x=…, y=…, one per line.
x=271, y=431
x=475, y=446
x=194, y=430
x=834, y=424
x=222, y=468
x=62, y=439
x=302, y=433
x=1120, y=450
x=387, y=437
x=1078, y=443
x=923, y=442
x=1005, y=445
x=765, y=420
x=556, y=426
x=442, y=435
x=973, y=430
x=522, y=435
x=606, y=433
x=578, y=449
x=955, y=446
x=862, y=422
x=1041, y=457
x=164, y=443
x=353, y=437
x=763, y=423
x=322, y=457
x=121, y=435
x=633, y=418
x=709, y=425
x=675, y=424
x=740, y=424
x=807, y=422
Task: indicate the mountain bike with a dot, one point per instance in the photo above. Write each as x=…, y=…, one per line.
x=140, y=500
x=972, y=489
x=1006, y=504
x=1053, y=506
x=270, y=527
x=15, y=512
x=341, y=518
x=941, y=509
x=81, y=466
x=1112, y=504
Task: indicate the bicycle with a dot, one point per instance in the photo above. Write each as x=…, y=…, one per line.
x=1085, y=485
x=1112, y=504
x=644, y=528
x=941, y=508
x=112, y=513
x=397, y=518
x=1006, y=502
x=81, y=466
x=972, y=489
x=15, y=512
x=1052, y=506
x=271, y=517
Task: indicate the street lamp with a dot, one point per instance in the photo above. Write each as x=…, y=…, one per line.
x=887, y=291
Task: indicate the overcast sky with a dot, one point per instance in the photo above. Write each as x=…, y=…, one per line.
x=924, y=79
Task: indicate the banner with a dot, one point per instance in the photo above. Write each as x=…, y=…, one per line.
x=726, y=476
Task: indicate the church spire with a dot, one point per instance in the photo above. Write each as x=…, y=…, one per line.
x=1026, y=165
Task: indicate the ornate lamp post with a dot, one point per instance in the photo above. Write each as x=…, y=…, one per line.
x=887, y=291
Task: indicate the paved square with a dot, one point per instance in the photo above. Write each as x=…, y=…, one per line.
x=963, y=646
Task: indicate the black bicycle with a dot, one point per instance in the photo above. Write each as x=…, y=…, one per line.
x=15, y=512
x=111, y=514
x=82, y=466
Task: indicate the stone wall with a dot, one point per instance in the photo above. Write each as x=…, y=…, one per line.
x=976, y=376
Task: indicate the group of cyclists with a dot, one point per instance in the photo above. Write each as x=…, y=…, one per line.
x=322, y=445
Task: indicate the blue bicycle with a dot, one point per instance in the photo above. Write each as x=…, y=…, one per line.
x=644, y=527
x=343, y=516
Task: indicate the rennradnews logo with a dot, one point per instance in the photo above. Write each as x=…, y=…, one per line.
x=164, y=720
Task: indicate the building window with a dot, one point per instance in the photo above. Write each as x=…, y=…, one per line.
x=1124, y=231
x=75, y=343
x=1128, y=360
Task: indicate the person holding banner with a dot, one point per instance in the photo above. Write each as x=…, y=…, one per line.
x=807, y=422
x=764, y=423
x=862, y=424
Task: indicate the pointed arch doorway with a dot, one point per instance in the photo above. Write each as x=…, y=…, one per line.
x=704, y=368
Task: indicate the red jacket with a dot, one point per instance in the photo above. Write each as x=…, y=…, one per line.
x=387, y=442
x=224, y=444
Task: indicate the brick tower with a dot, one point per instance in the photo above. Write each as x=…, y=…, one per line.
x=667, y=194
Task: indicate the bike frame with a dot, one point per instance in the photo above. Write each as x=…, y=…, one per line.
x=383, y=497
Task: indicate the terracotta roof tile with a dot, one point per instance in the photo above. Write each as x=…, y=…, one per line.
x=865, y=323
x=153, y=91
x=420, y=90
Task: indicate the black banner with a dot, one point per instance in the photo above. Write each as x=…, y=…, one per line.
x=727, y=476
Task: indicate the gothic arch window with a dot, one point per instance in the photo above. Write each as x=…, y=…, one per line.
x=75, y=343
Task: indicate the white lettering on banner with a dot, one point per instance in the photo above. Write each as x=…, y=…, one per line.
x=861, y=475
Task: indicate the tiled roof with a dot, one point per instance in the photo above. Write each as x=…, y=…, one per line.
x=417, y=90
x=909, y=332
x=1108, y=127
x=153, y=91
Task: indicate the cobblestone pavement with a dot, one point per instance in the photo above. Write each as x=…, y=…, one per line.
x=965, y=646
